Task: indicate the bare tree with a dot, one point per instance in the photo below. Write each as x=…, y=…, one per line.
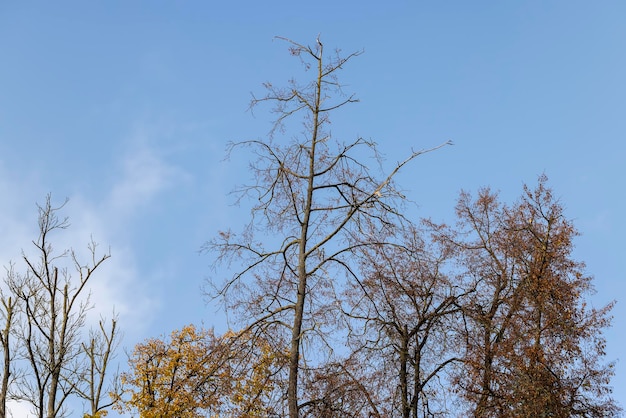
x=312, y=197
x=99, y=351
x=8, y=314
x=54, y=306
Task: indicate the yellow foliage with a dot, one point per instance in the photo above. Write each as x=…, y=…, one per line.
x=256, y=381
x=194, y=373
x=99, y=414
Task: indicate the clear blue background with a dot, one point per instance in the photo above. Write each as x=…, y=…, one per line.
x=126, y=108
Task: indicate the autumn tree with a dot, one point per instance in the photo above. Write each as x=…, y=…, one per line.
x=53, y=297
x=194, y=373
x=311, y=196
x=256, y=376
x=402, y=310
x=176, y=377
x=533, y=345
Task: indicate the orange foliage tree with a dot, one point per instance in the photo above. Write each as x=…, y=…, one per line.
x=532, y=346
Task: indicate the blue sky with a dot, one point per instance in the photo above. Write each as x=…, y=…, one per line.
x=126, y=107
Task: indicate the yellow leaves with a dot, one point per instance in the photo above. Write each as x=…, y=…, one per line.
x=257, y=381
x=99, y=414
x=194, y=373
x=173, y=377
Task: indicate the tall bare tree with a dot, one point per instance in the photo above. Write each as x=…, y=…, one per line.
x=54, y=304
x=312, y=197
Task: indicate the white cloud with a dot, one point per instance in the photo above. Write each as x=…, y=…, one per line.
x=118, y=287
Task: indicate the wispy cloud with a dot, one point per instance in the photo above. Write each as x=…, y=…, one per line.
x=141, y=175
x=144, y=176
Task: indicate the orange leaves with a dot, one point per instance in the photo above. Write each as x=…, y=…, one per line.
x=531, y=314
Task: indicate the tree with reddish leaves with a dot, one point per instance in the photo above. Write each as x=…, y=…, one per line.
x=533, y=347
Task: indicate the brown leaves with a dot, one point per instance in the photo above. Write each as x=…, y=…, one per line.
x=526, y=324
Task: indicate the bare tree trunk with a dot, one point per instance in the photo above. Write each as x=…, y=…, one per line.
x=294, y=354
x=403, y=377
x=9, y=307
